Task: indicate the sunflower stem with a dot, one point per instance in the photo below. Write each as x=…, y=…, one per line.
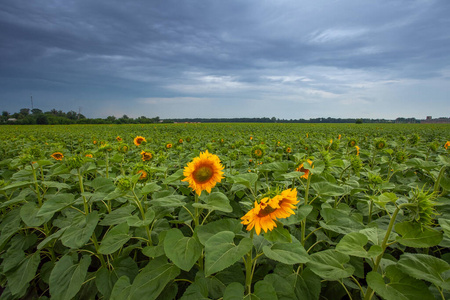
x=80, y=181
x=438, y=180
x=141, y=209
x=248, y=262
x=303, y=222
x=107, y=164
x=36, y=186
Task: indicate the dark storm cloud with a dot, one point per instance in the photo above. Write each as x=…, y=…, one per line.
x=120, y=57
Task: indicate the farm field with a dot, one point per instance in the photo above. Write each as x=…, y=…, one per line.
x=225, y=211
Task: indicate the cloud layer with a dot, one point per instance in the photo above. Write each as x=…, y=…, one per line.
x=288, y=59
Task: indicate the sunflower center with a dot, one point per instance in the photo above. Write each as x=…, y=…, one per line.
x=266, y=210
x=203, y=174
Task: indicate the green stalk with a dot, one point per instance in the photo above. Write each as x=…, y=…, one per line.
x=36, y=186
x=196, y=216
x=303, y=222
x=369, y=291
x=141, y=209
x=248, y=262
x=438, y=180
x=99, y=255
x=80, y=181
x=107, y=164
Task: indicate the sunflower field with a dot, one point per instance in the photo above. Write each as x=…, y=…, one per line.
x=225, y=211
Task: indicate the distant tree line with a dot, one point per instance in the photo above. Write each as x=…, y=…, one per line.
x=36, y=116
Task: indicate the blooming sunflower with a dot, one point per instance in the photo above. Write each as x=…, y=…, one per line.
x=306, y=171
x=146, y=155
x=264, y=214
x=257, y=152
x=143, y=176
x=351, y=143
x=119, y=139
x=288, y=150
x=138, y=140
x=89, y=155
x=180, y=141
x=57, y=155
x=169, y=145
x=203, y=172
x=447, y=145
x=357, y=150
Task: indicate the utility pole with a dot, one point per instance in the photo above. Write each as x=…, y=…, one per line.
x=31, y=102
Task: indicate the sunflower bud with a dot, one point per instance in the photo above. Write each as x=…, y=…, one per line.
x=74, y=162
x=124, y=184
x=424, y=211
x=356, y=163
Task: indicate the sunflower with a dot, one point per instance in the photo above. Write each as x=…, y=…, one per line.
x=339, y=137
x=447, y=145
x=169, y=145
x=203, y=172
x=57, y=155
x=264, y=214
x=351, y=143
x=119, y=139
x=357, y=150
x=146, y=155
x=257, y=152
x=180, y=141
x=94, y=142
x=138, y=140
x=89, y=155
x=143, y=176
x=380, y=144
x=306, y=171
x=288, y=150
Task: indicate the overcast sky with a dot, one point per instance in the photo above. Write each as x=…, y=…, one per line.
x=287, y=59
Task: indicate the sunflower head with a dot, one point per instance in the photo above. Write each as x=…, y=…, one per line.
x=351, y=143
x=306, y=171
x=169, y=145
x=57, y=155
x=203, y=172
x=380, y=144
x=180, y=141
x=424, y=211
x=447, y=145
x=124, y=184
x=188, y=139
x=123, y=148
x=288, y=150
x=146, y=155
x=89, y=155
x=139, y=140
x=257, y=152
x=119, y=139
x=357, y=150
x=356, y=164
x=74, y=162
x=401, y=156
x=414, y=139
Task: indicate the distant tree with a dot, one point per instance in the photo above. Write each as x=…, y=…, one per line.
x=110, y=119
x=24, y=112
x=5, y=113
x=42, y=119
x=72, y=115
x=358, y=121
x=36, y=111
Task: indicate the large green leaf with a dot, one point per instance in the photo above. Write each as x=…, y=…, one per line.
x=28, y=213
x=426, y=267
x=287, y=253
x=67, y=278
x=19, y=279
x=115, y=239
x=55, y=203
x=248, y=180
x=152, y=279
x=325, y=188
x=414, y=235
x=215, y=201
x=221, y=252
x=80, y=231
x=234, y=291
x=204, y=232
x=400, y=286
x=331, y=265
x=339, y=221
x=121, y=289
x=353, y=244
x=183, y=251
x=169, y=201
x=118, y=216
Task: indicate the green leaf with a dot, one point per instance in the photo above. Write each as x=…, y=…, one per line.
x=325, y=188
x=19, y=279
x=105, y=280
x=330, y=265
x=80, y=231
x=376, y=235
x=55, y=203
x=307, y=285
x=10, y=225
x=279, y=166
x=385, y=198
x=169, y=201
x=414, y=235
x=234, y=291
x=204, y=232
x=445, y=224
x=67, y=278
x=221, y=252
x=115, y=239
x=248, y=180
x=121, y=289
x=183, y=251
x=135, y=221
x=278, y=234
x=56, y=184
x=353, y=244
x=150, y=188
x=426, y=267
x=175, y=177
x=287, y=253
x=400, y=286
x=339, y=221
x=265, y=291
x=300, y=214
x=152, y=279
x=216, y=201
x=420, y=164
x=28, y=213
x=118, y=216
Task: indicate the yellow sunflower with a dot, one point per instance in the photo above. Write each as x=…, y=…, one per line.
x=146, y=155
x=264, y=214
x=169, y=145
x=143, y=173
x=138, y=140
x=180, y=141
x=306, y=171
x=89, y=155
x=203, y=172
x=357, y=150
x=119, y=139
x=447, y=145
x=57, y=155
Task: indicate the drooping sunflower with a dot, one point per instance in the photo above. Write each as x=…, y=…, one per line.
x=265, y=213
x=351, y=143
x=288, y=150
x=143, y=176
x=57, y=155
x=119, y=139
x=203, y=172
x=146, y=155
x=447, y=145
x=260, y=217
x=89, y=155
x=138, y=140
x=306, y=171
x=357, y=150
